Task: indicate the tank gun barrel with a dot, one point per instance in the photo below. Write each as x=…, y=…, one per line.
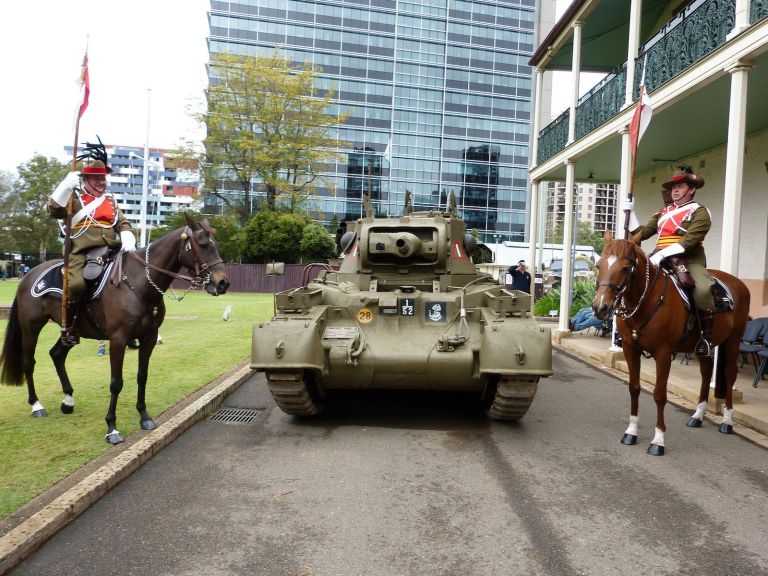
x=402, y=244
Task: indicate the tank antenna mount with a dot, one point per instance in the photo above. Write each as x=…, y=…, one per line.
x=367, y=204
x=408, y=206
x=452, y=203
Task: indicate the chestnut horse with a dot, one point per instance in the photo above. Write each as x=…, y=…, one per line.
x=130, y=306
x=652, y=318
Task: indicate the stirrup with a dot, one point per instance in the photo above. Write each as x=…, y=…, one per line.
x=69, y=336
x=703, y=348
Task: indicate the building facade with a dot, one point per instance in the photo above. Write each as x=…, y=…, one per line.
x=443, y=86
x=593, y=203
x=168, y=190
x=704, y=66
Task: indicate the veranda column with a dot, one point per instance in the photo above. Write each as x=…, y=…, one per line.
x=734, y=167
x=536, y=117
x=575, y=73
x=625, y=175
x=741, y=18
x=533, y=236
x=567, y=281
x=633, y=45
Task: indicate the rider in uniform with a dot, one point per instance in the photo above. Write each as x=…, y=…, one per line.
x=682, y=226
x=96, y=221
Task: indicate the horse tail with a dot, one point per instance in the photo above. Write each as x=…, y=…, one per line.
x=720, y=383
x=11, y=357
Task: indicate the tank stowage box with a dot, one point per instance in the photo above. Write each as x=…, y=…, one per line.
x=407, y=309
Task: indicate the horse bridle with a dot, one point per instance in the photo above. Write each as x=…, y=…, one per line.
x=201, y=265
x=621, y=287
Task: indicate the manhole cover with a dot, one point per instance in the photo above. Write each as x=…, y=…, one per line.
x=239, y=415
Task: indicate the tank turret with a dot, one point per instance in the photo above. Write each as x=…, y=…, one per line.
x=406, y=308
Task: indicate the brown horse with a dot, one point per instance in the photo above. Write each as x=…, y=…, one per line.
x=652, y=318
x=130, y=306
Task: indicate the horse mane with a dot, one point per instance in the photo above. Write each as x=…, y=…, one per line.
x=619, y=248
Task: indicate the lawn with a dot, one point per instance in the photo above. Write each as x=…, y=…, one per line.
x=198, y=345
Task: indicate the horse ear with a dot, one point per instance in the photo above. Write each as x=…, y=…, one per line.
x=205, y=225
x=607, y=239
x=635, y=238
x=191, y=223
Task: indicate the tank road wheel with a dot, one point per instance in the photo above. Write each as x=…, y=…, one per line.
x=295, y=393
x=510, y=397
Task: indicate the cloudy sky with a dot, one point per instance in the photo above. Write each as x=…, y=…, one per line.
x=134, y=48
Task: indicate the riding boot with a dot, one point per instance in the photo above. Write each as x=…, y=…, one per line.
x=69, y=335
x=704, y=345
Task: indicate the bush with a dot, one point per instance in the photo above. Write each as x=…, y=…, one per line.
x=583, y=294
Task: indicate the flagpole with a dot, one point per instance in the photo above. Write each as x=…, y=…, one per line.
x=85, y=84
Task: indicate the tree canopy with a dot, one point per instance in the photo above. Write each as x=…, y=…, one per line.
x=585, y=235
x=27, y=228
x=268, y=125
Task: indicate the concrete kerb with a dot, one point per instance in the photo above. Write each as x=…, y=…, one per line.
x=30, y=534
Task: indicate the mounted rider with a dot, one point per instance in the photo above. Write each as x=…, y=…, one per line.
x=682, y=226
x=96, y=222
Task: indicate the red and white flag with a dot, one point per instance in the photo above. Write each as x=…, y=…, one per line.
x=85, y=88
x=640, y=121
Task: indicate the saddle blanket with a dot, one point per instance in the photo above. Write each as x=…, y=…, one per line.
x=49, y=282
x=723, y=296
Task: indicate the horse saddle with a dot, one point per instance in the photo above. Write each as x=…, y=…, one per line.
x=720, y=293
x=49, y=282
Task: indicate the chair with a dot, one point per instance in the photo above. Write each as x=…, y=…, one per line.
x=752, y=340
x=763, y=355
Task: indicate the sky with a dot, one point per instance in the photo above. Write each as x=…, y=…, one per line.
x=135, y=49
x=146, y=59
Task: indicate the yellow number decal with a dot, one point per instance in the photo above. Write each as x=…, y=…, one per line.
x=364, y=315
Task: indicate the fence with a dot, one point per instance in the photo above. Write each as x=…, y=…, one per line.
x=253, y=278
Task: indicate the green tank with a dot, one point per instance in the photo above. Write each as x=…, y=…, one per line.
x=406, y=309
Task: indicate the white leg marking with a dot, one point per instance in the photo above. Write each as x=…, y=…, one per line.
x=632, y=428
x=728, y=416
x=701, y=409
x=68, y=400
x=658, y=438
x=37, y=406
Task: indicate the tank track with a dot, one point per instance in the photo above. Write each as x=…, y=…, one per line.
x=511, y=398
x=294, y=393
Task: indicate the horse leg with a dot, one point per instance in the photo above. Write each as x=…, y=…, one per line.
x=727, y=370
x=145, y=352
x=116, y=356
x=663, y=362
x=59, y=356
x=632, y=356
x=29, y=343
x=706, y=364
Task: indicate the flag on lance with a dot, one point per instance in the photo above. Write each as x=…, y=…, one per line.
x=85, y=89
x=640, y=121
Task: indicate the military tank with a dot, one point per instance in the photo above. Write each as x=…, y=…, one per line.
x=406, y=309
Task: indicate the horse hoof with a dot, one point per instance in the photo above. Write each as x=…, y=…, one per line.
x=694, y=423
x=656, y=450
x=148, y=424
x=629, y=439
x=114, y=438
x=726, y=429
x=42, y=413
x=66, y=408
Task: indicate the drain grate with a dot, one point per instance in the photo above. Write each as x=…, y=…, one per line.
x=239, y=415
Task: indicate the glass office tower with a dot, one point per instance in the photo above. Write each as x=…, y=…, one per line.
x=440, y=94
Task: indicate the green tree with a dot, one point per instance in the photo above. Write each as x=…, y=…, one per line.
x=272, y=235
x=268, y=123
x=9, y=206
x=316, y=244
x=35, y=231
x=585, y=234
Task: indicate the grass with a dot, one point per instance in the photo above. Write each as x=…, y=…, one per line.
x=197, y=347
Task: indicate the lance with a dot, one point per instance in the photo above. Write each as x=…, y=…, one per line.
x=86, y=88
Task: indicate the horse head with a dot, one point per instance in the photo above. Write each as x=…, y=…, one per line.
x=200, y=256
x=619, y=264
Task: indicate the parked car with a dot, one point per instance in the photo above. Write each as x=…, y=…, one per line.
x=583, y=270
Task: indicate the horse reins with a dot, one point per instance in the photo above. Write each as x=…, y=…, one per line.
x=201, y=266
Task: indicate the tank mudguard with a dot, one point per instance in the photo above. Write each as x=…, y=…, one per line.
x=510, y=349
x=285, y=343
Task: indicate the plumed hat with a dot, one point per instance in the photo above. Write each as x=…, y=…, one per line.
x=94, y=159
x=684, y=175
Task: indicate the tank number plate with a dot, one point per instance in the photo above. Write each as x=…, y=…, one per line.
x=364, y=315
x=435, y=312
x=341, y=332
